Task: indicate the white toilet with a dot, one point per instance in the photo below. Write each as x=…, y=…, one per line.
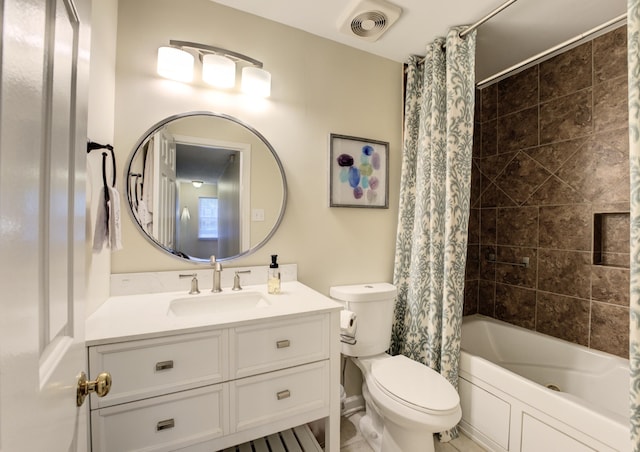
x=406, y=402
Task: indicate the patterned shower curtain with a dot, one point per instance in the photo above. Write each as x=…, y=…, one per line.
x=431, y=243
x=633, y=42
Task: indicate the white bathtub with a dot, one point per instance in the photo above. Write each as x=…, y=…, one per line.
x=506, y=405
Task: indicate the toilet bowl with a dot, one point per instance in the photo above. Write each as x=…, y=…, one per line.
x=406, y=402
x=409, y=400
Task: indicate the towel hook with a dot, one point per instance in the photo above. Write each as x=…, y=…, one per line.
x=92, y=145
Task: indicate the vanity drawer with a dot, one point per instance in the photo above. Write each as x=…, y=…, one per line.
x=151, y=367
x=293, y=392
x=275, y=345
x=163, y=423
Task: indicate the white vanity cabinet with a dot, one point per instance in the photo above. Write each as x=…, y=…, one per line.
x=207, y=390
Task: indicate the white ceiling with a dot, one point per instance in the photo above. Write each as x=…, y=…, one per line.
x=523, y=30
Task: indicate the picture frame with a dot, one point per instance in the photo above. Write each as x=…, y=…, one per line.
x=358, y=172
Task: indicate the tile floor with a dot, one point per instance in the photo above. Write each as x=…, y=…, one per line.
x=352, y=441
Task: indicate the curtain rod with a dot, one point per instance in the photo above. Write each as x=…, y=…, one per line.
x=472, y=27
x=549, y=53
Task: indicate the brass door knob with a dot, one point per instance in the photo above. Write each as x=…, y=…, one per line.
x=100, y=386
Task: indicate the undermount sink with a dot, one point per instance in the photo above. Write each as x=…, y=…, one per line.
x=218, y=303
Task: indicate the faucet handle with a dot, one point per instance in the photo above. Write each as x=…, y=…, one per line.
x=236, y=279
x=194, y=282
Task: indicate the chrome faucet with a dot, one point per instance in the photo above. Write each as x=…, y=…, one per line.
x=217, y=270
x=194, y=283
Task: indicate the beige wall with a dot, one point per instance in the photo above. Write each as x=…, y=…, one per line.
x=100, y=128
x=318, y=87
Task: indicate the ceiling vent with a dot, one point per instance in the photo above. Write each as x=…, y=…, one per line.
x=369, y=19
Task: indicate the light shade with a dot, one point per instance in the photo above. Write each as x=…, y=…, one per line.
x=175, y=64
x=197, y=183
x=218, y=71
x=256, y=81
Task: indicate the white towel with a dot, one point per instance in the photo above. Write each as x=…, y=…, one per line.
x=115, y=233
x=108, y=233
x=147, y=177
x=101, y=232
x=133, y=194
x=143, y=216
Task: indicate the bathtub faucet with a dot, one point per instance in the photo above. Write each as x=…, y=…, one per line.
x=217, y=270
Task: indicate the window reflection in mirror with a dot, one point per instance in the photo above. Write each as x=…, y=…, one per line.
x=202, y=184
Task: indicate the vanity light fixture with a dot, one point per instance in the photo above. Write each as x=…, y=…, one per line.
x=218, y=67
x=175, y=64
x=197, y=183
x=218, y=71
x=256, y=81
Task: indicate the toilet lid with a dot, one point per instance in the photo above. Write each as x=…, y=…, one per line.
x=415, y=384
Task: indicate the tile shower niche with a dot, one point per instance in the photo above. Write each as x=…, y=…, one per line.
x=611, y=239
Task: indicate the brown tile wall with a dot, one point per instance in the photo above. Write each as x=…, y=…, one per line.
x=550, y=159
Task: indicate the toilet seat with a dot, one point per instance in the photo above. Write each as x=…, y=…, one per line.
x=415, y=385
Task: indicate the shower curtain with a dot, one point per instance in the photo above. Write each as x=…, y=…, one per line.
x=431, y=243
x=633, y=43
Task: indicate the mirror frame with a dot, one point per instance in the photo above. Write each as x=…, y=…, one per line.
x=157, y=126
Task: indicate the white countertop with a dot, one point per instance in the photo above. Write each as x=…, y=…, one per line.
x=144, y=316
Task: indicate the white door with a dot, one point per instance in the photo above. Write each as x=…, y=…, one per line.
x=164, y=189
x=43, y=72
x=229, y=210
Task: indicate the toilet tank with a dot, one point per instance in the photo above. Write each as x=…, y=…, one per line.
x=373, y=305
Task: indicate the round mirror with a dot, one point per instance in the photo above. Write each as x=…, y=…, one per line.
x=204, y=184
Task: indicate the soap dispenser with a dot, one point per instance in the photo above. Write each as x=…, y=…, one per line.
x=273, y=281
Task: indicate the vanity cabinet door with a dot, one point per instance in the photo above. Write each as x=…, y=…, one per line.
x=268, y=346
x=299, y=394
x=151, y=367
x=165, y=423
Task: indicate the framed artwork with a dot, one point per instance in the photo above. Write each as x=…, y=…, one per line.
x=358, y=172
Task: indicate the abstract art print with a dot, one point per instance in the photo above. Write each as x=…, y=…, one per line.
x=358, y=172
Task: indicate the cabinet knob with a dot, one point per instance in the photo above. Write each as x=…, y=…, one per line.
x=101, y=386
x=283, y=344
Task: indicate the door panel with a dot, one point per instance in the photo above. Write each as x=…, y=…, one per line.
x=57, y=170
x=44, y=74
x=164, y=205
